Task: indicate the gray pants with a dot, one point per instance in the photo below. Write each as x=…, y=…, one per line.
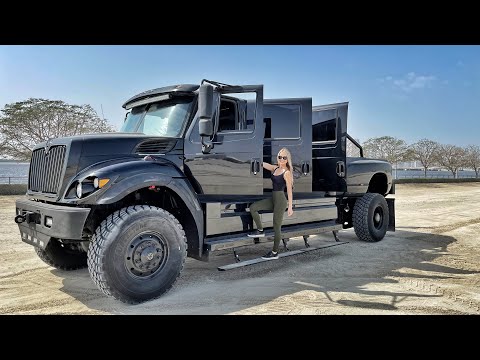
x=278, y=204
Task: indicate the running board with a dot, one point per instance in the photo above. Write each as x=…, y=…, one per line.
x=281, y=255
x=289, y=231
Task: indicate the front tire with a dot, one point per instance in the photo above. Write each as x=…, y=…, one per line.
x=63, y=256
x=370, y=217
x=137, y=253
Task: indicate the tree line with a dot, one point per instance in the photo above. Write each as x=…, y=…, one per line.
x=428, y=152
x=26, y=123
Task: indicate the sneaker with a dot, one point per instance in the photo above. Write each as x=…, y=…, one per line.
x=257, y=233
x=270, y=256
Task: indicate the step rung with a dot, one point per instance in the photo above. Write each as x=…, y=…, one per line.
x=281, y=255
x=233, y=241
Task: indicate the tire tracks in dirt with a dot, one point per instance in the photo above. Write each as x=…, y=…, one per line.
x=455, y=226
x=428, y=287
x=19, y=273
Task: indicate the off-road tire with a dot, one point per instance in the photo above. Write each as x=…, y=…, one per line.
x=116, y=247
x=62, y=256
x=367, y=209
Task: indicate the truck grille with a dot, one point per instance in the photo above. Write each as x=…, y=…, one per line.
x=46, y=169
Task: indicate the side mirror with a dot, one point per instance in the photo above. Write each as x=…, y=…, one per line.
x=205, y=110
x=126, y=115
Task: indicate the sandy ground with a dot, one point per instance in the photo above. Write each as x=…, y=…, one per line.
x=430, y=265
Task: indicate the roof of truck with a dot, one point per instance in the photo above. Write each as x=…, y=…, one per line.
x=327, y=106
x=166, y=89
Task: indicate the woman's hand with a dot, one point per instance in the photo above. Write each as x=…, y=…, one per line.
x=290, y=211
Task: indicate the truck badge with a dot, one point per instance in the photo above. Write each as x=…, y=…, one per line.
x=47, y=146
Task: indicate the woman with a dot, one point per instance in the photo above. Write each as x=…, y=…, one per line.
x=282, y=177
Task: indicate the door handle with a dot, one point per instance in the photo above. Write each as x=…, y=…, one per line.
x=305, y=168
x=255, y=167
x=341, y=169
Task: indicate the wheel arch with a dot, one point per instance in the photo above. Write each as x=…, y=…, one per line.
x=378, y=184
x=155, y=190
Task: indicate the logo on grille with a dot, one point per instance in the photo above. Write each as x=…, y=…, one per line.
x=48, y=145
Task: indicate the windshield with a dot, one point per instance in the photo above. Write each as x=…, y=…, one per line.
x=166, y=118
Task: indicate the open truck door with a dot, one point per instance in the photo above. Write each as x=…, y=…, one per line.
x=288, y=123
x=228, y=163
x=329, y=134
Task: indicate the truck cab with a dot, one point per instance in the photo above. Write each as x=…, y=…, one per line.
x=178, y=180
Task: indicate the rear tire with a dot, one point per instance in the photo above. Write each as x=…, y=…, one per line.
x=370, y=217
x=137, y=253
x=63, y=256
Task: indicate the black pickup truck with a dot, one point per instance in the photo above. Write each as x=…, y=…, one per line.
x=178, y=179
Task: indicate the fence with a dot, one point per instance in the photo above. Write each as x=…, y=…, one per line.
x=24, y=179
x=13, y=180
x=439, y=176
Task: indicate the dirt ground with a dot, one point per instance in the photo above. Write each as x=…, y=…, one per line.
x=430, y=265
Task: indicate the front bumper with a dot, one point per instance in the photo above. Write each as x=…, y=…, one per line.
x=67, y=222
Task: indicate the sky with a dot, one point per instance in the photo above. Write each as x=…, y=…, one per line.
x=407, y=92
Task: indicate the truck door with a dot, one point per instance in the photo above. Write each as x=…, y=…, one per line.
x=288, y=124
x=232, y=168
x=329, y=131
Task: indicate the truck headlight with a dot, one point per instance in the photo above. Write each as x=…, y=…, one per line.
x=83, y=188
x=79, y=190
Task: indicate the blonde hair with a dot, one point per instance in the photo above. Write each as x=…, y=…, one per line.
x=289, y=160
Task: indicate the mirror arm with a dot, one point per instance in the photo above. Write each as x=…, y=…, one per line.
x=206, y=146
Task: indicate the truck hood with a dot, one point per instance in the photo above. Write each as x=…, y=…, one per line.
x=63, y=158
x=112, y=144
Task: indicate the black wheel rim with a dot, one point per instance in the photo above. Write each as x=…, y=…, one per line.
x=146, y=255
x=378, y=218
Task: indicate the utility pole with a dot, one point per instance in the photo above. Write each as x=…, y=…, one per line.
x=101, y=107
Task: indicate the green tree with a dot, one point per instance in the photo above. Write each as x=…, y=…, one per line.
x=425, y=151
x=26, y=123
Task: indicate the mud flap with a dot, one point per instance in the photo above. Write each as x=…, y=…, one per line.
x=391, y=214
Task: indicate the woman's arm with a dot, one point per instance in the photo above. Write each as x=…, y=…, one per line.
x=287, y=175
x=268, y=166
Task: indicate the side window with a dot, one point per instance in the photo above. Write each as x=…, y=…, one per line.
x=324, y=125
x=236, y=114
x=282, y=121
x=228, y=118
x=250, y=115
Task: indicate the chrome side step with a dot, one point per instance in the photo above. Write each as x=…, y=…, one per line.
x=280, y=255
x=234, y=241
